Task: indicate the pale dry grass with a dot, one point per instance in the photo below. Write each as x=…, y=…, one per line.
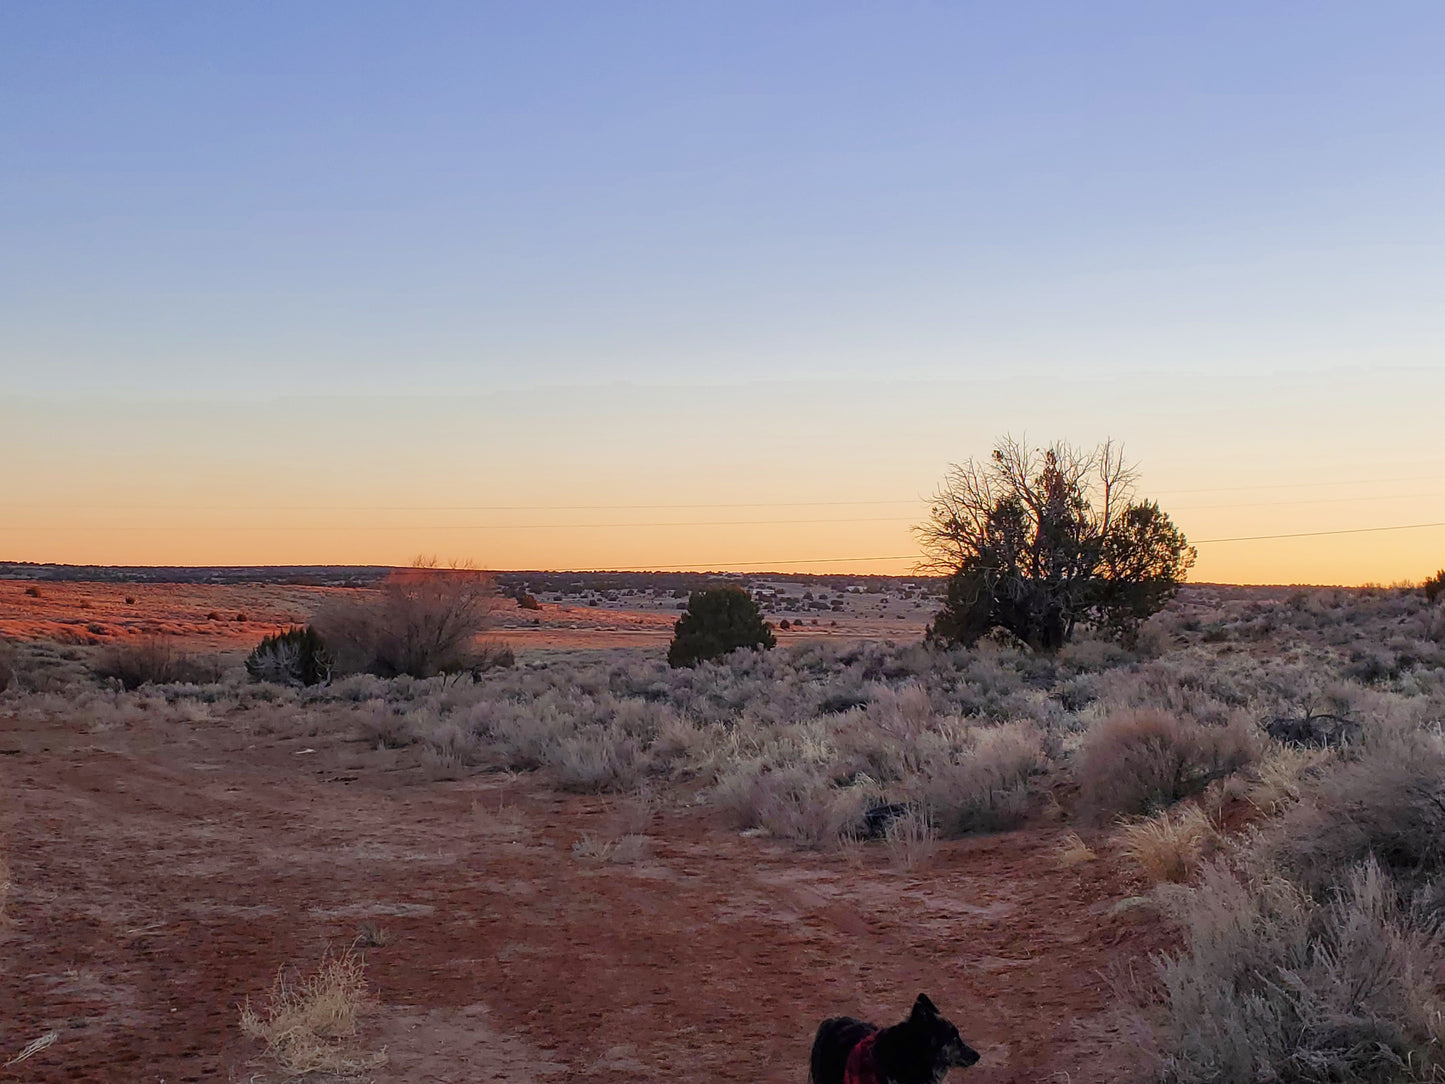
x=1277, y=781
x=4, y=893
x=1170, y=845
x=309, y=1022
x=911, y=839
x=1073, y=851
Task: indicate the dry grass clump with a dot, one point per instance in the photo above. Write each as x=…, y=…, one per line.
x=911, y=839
x=309, y=1023
x=422, y=621
x=4, y=892
x=1073, y=851
x=1275, y=986
x=1278, y=779
x=1171, y=845
x=1136, y=762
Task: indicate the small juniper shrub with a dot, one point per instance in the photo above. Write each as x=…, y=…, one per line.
x=1434, y=586
x=719, y=620
x=32, y=591
x=295, y=657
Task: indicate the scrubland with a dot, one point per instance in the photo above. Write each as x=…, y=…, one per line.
x=1265, y=767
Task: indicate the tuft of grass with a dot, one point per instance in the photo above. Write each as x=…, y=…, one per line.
x=309, y=1022
x=1073, y=851
x=4, y=892
x=1171, y=845
x=911, y=839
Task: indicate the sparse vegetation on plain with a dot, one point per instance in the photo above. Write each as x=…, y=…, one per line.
x=1286, y=805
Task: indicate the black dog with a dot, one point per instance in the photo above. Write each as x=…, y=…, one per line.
x=920, y=1050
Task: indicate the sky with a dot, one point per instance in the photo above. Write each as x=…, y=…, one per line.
x=715, y=285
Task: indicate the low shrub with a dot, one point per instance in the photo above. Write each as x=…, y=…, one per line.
x=985, y=788
x=719, y=620
x=1276, y=986
x=295, y=657
x=421, y=622
x=7, y=665
x=1389, y=805
x=151, y=660
x=1137, y=762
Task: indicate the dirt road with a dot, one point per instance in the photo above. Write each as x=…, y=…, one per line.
x=165, y=871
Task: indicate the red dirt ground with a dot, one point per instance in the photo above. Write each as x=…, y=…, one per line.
x=164, y=872
x=205, y=615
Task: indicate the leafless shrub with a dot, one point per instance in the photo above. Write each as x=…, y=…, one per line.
x=421, y=622
x=1138, y=761
x=151, y=660
x=1273, y=986
x=1170, y=845
x=309, y=1022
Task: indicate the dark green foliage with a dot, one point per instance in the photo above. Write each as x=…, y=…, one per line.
x=1036, y=541
x=1434, y=585
x=718, y=620
x=294, y=657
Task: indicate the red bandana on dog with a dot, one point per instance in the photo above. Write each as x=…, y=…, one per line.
x=860, y=1068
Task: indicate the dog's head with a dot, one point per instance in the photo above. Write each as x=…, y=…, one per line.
x=940, y=1035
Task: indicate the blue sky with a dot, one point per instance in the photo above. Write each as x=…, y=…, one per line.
x=200, y=202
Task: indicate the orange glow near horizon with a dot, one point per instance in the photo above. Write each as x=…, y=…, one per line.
x=818, y=479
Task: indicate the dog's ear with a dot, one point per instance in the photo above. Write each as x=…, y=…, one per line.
x=923, y=1009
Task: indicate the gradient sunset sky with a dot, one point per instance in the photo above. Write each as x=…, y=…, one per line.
x=714, y=285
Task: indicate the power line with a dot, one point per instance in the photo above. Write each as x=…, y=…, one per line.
x=456, y=526
x=1319, y=534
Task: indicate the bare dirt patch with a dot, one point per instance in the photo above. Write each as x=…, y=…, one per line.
x=164, y=871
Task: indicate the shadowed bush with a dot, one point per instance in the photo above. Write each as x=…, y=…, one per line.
x=1390, y=805
x=1137, y=762
x=1434, y=586
x=294, y=657
x=421, y=622
x=719, y=620
x=152, y=660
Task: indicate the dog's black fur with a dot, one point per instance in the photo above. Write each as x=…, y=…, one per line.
x=920, y=1050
